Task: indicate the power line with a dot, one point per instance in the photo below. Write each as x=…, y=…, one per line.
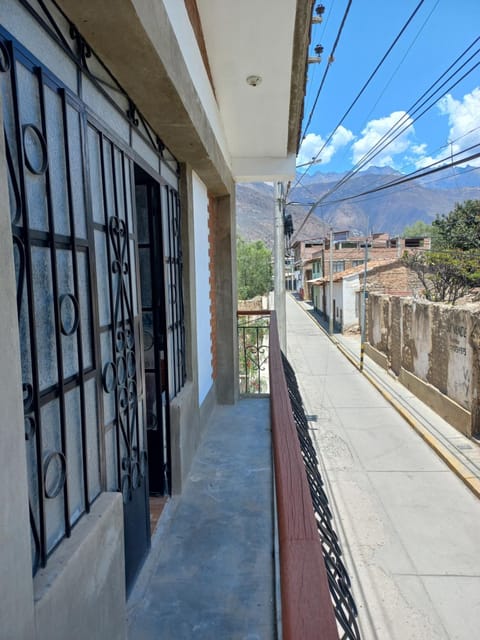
x=365, y=85
x=330, y=60
x=415, y=175
x=385, y=141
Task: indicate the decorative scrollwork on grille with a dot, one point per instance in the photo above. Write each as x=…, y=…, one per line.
x=54, y=473
x=4, y=58
x=35, y=149
x=69, y=314
x=125, y=359
x=13, y=187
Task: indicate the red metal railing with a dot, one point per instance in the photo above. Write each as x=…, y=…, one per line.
x=307, y=611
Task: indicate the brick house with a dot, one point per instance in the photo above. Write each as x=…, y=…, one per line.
x=383, y=276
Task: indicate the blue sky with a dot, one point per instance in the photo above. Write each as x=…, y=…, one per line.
x=439, y=33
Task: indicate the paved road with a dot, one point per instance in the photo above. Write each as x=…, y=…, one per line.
x=410, y=528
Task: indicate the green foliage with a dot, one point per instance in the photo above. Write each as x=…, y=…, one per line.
x=446, y=275
x=418, y=229
x=459, y=229
x=254, y=269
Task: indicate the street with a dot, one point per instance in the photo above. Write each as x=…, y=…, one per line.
x=409, y=528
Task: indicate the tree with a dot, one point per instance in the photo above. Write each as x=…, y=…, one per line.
x=418, y=229
x=446, y=275
x=254, y=269
x=459, y=229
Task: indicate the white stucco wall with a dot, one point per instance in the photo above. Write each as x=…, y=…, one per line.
x=202, y=287
x=350, y=287
x=182, y=27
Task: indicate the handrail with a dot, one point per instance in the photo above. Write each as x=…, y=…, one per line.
x=307, y=611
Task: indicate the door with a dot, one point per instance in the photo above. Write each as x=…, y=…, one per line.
x=118, y=338
x=151, y=259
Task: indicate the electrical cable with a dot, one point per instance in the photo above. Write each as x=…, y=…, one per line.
x=384, y=141
x=330, y=60
x=415, y=175
x=359, y=94
x=370, y=78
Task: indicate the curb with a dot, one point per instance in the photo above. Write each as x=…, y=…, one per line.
x=460, y=470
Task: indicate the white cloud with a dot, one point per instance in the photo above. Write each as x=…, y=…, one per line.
x=312, y=144
x=388, y=126
x=463, y=129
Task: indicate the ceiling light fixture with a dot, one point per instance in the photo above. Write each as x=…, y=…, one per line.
x=254, y=81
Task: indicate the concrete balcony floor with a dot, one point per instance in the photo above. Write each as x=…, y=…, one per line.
x=210, y=573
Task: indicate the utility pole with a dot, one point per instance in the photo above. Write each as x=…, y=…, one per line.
x=364, y=306
x=330, y=315
x=279, y=264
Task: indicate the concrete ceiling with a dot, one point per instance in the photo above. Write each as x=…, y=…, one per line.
x=245, y=38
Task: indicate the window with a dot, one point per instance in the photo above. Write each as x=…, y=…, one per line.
x=338, y=265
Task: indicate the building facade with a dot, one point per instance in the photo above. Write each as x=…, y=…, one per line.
x=120, y=153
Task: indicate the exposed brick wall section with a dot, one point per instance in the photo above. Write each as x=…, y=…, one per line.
x=395, y=279
x=211, y=267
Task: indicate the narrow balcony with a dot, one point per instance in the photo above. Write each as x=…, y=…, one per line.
x=248, y=549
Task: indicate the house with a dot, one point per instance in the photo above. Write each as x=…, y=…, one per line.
x=303, y=250
x=382, y=276
x=126, y=129
x=349, y=252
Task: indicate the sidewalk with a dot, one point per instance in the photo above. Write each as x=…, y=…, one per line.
x=409, y=527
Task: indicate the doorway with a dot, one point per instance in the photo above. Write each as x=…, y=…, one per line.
x=152, y=289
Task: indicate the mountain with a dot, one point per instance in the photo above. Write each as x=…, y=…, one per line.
x=389, y=210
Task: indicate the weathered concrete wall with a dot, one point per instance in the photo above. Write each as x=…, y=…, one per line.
x=81, y=593
x=431, y=344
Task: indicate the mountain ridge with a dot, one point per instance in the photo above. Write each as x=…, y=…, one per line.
x=389, y=210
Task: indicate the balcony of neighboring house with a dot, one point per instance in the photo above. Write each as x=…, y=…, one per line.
x=248, y=549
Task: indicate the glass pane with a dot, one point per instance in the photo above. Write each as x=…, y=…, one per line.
x=69, y=312
x=120, y=193
x=128, y=191
x=92, y=439
x=76, y=173
x=95, y=175
x=111, y=459
x=102, y=278
x=141, y=205
x=56, y=161
x=75, y=454
x=109, y=378
x=133, y=277
x=108, y=177
x=43, y=314
x=148, y=340
x=85, y=308
x=53, y=473
x=145, y=277
x=30, y=117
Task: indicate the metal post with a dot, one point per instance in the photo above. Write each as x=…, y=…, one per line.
x=279, y=265
x=364, y=306
x=330, y=315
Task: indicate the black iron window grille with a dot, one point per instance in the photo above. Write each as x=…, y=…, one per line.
x=71, y=190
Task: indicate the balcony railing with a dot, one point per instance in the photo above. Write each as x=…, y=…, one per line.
x=316, y=599
x=253, y=350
